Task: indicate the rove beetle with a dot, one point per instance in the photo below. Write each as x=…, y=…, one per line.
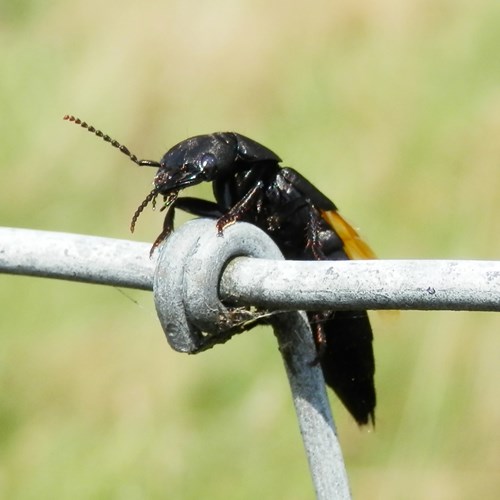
x=249, y=185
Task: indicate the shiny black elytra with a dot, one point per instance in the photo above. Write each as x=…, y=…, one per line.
x=249, y=185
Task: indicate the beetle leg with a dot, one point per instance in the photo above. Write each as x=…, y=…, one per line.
x=313, y=241
x=237, y=211
x=198, y=206
x=168, y=226
x=317, y=321
x=195, y=206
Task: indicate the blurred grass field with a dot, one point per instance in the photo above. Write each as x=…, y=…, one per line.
x=391, y=108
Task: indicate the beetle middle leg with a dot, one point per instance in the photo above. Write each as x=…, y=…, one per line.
x=237, y=211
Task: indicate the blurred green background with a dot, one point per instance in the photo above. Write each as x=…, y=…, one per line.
x=392, y=108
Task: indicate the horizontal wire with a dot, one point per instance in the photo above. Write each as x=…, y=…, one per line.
x=275, y=285
x=74, y=257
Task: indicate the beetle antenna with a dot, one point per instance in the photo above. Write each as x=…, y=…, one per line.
x=116, y=144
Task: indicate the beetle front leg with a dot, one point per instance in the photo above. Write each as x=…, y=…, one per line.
x=199, y=207
x=168, y=226
x=195, y=206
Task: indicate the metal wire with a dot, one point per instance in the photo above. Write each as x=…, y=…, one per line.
x=399, y=284
x=372, y=284
x=75, y=257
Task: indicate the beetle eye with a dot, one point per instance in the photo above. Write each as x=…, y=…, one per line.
x=208, y=164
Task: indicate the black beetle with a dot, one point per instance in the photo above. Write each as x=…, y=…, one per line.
x=249, y=185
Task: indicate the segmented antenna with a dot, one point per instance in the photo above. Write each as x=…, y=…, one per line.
x=169, y=198
x=116, y=144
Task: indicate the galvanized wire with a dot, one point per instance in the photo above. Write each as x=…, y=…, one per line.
x=75, y=257
x=380, y=284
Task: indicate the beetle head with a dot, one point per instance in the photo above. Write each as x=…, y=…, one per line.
x=207, y=157
x=195, y=160
x=191, y=162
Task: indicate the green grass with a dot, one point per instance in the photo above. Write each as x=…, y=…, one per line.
x=392, y=108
